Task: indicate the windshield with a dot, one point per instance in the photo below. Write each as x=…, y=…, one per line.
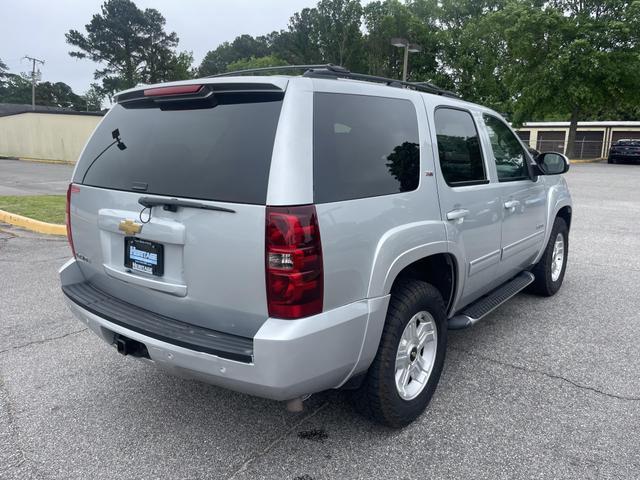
x=219, y=153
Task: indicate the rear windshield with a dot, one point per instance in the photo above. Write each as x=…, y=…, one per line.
x=218, y=153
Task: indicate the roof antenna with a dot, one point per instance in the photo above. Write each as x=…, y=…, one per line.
x=116, y=136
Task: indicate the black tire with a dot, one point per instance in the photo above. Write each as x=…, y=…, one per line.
x=544, y=284
x=377, y=398
x=611, y=160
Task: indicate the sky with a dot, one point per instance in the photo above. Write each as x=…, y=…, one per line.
x=37, y=27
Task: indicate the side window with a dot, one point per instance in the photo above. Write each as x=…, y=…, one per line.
x=363, y=146
x=459, y=148
x=507, y=151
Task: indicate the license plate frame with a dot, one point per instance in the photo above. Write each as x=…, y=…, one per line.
x=144, y=256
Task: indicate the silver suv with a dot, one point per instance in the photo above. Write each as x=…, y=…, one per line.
x=284, y=235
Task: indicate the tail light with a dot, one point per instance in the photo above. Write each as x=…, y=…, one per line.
x=175, y=90
x=295, y=283
x=72, y=189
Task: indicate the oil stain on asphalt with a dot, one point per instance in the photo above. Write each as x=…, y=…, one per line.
x=315, y=435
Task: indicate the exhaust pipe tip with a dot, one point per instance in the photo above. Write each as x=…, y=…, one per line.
x=295, y=405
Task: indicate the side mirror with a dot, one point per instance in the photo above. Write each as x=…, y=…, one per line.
x=552, y=163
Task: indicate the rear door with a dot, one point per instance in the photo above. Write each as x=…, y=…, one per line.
x=523, y=200
x=202, y=263
x=469, y=201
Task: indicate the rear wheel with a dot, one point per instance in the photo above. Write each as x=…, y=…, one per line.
x=611, y=160
x=407, y=367
x=550, y=270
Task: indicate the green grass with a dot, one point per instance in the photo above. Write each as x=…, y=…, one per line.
x=46, y=208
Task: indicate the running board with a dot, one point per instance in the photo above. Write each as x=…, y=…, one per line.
x=473, y=313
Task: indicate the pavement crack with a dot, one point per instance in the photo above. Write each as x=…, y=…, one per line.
x=548, y=375
x=275, y=442
x=45, y=340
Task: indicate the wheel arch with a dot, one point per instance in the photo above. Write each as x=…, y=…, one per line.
x=565, y=213
x=438, y=269
x=559, y=204
x=426, y=263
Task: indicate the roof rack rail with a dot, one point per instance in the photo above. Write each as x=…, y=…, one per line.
x=327, y=66
x=335, y=71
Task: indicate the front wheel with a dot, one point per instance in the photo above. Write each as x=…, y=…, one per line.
x=410, y=357
x=550, y=270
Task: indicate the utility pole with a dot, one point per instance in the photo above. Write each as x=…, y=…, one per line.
x=33, y=78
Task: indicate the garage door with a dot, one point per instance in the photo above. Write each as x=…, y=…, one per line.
x=588, y=144
x=524, y=136
x=550, y=142
x=615, y=136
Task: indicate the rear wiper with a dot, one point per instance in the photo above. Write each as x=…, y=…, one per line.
x=172, y=204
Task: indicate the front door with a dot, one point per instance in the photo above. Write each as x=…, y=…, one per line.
x=470, y=203
x=523, y=200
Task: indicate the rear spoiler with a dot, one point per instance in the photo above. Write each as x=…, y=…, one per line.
x=191, y=92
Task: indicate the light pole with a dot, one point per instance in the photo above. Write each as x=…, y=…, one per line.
x=408, y=48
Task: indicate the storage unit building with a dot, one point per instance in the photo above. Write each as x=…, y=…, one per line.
x=593, y=139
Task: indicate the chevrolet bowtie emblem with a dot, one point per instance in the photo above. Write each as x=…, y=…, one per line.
x=129, y=227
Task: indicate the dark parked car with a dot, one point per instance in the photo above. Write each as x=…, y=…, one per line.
x=625, y=151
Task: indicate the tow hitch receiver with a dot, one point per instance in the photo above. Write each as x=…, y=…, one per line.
x=127, y=346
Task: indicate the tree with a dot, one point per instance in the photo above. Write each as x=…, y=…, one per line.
x=132, y=44
x=337, y=29
x=3, y=81
x=574, y=60
x=93, y=98
x=244, y=46
x=529, y=59
x=329, y=33
x=253, y=62
x=17, y=89
x=472, y=52
x=299, y=44
x=416, y=22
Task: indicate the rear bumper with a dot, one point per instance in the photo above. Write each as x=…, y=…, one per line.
x=620, y=157
x=290, y=357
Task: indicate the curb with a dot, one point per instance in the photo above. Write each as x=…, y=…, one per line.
x=33, y=225
x=38, y=160
x=594, y=160
x=43, y=160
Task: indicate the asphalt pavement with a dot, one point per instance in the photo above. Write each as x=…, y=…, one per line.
x=541, y=388
x=18, y=177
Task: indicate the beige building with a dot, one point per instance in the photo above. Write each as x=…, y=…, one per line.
x=46, y=133
x=593, y=139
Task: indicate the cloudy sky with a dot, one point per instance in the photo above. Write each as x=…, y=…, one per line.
x=37, y=27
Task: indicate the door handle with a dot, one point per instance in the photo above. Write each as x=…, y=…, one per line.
x=458, y=214
x=511, y=204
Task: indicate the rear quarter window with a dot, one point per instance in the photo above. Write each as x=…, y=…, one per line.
x=363, y=146
x=220, y=153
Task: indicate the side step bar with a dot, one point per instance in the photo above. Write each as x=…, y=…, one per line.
x=473, y=313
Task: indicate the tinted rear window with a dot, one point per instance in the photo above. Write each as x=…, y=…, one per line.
x=363, y=146
x=459, y=147
x=221, y=153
